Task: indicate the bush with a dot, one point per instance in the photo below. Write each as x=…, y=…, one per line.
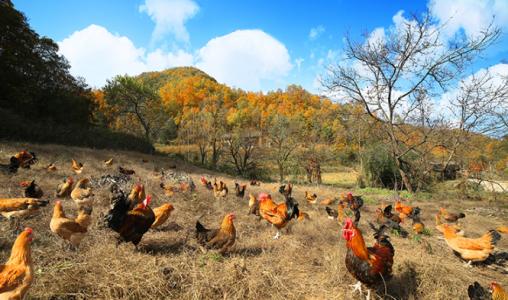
x=379, y=168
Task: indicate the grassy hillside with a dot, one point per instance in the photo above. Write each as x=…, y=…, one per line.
x=306, y=263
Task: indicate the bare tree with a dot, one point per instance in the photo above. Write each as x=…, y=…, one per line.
x=388, y=75
x=241, y=146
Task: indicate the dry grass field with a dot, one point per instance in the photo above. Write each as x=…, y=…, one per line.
x=306, y=263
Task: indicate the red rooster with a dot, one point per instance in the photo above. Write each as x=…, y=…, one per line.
x=369, y=265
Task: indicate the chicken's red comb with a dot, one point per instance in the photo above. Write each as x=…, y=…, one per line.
x=29, y=230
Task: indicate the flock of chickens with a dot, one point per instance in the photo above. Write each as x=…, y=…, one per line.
x=131, y=216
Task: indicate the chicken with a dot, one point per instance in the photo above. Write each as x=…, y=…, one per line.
x=254, y=182
x=131, y=225
x=168, y=190
x=162, y=214
x=450, y=217
x=277, y=214
x=108, y=162
x=476, y=292
x=286, y=189
x=72, y=230
x=125, y=171
x=82, y=193
x=32, y=190
x=336, y=214
x=220, y=190
x=440, y=226
x=20, y=207
x=240, y=190
x=253, y=205
x=311, y=199
x=16, y=275
x=25, y=159
x=418, y=226
x=221, y=239
x=327, y=201
x=64, y=189
x=370, y=265
x=404, y=209
x=206, y=183
x=389, y=220
x=387, y=213
x=136, y=196
x=502, y=229
x=471, y=250
x=303, y=216
x=77, y=167
x=51, y=167
x=354, y=202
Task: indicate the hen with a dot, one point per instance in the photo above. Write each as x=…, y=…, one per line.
x=221, y=239
x=24, y=159
x=32, y=190
x=477, y=292
x=403, y=209
x=354, y=202
x=450, y=217
x=20, y=207
x=389, y=220
x=253, y=206
x=369, y=265
x=418, y=226
x=440, y=226
x=108, y=162
x=206, y=183
x=286, y=189
x=72, y=230
x=82, y=193
x=240, y=190
x=220, y=190
x=130, y=224
x=502, y=229
x=277, y=214
x=77, y=167
x=64, y=189
x=311, y=199
x=125, y=171
x=17, y=274
x=162, y=214
x=336, y=214
x=471, y=250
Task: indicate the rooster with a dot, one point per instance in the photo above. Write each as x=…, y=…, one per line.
x=82, y=193
x=130, y=224
x=240, y=190
x=162, y=214
x=354, y=202
x=16, y=275
x=369, y=265
x=222, y=239
x=476, y=292
x=418, y=226
x=277, y=214
x=72, y=230
x=64, y=189
x=471, y=250
x=206, y=183
x=32, y=190
x=20, y=207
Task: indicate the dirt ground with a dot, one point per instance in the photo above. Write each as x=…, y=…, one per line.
x=306, y=263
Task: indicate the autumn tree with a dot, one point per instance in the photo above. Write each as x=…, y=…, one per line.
x=394, y=75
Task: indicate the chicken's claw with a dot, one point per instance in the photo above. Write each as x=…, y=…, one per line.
x=357, y=287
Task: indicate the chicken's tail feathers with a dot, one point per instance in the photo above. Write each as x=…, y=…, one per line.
x=331, y=212
x=476, y=292
x=415, y=213
x=292, y=208
x=462, y=215
x=200, y=227
x=494, y=236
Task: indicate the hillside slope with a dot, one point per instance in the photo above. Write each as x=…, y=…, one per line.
x=307, y=263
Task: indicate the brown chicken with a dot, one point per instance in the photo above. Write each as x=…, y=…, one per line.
x=336, y=214
x=311, y=199
x=64, y=189
x=277, y=214
x=220, y=190
x=82, y=193
x=25, y=159
x=72, y=230
x=327, y=201
x=404, y=209
x=477, y=292
x=162, y=214
x=20, y=207
x=253, y=205
x=77, y=167
x=471, y=250
x=17, y=274
x=303, y=216
x=51, y=167
x=221, y=239
x=240, y=190
x=418, y=226
x=206, y=183
x=502, y=229
x=450, y=217
x=255, y=182
x=286, y=189
x=108, y=162
x=137, y=195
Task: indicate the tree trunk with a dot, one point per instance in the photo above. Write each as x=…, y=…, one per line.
x=403, y=175
x=281, y=171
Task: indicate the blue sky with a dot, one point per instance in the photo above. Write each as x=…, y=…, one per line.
x=255, y=45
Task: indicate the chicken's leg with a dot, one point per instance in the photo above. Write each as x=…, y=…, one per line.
x=357, y=287
x=277, y=235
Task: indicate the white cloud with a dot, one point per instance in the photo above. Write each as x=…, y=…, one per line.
x=316, y=32
x=470, y=15
x=97, y=55
x=170, y=17
x=244, y=58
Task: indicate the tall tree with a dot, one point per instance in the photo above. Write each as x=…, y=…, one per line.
x=392, y=76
